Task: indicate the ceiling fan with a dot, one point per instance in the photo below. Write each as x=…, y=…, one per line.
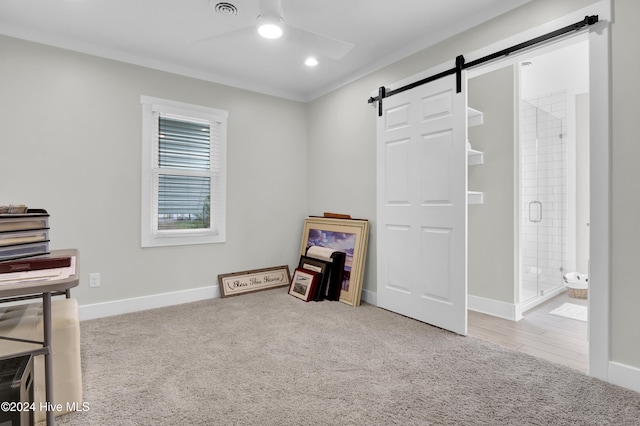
x=271, y=24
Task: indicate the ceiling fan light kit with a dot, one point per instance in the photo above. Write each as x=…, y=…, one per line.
x=270, y=24
x=269, y=27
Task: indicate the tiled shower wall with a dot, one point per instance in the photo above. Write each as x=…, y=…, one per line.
x=543, y=189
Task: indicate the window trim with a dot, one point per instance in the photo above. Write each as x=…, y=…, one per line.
x=151, y=237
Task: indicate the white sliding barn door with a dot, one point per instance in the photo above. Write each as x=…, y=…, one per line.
x=422, y=204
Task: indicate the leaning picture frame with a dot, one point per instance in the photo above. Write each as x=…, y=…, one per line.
x=347, y=235
x=320, y=266
x=304, y=283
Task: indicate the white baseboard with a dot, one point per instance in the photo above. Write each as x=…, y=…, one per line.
x=370, y=297
x=495, y=308
x=125, y=306
x=624, y=375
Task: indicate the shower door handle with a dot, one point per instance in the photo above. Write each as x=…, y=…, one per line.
x=538, y=204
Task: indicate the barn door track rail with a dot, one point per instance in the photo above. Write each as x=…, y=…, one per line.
x=462, y=65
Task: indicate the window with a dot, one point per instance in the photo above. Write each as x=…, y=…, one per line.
x=183, y=173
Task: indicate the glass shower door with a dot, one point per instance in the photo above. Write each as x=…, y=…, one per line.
x=543, y=189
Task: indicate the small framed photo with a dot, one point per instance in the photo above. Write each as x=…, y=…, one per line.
x=322, y=267
x=304, y=283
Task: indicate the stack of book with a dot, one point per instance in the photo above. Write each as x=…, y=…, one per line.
x=24, y=234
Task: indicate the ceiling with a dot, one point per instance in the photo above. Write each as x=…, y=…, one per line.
x=188, y=37
x=560, y=68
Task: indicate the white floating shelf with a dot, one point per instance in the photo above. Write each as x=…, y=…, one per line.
x=474, y=117
x=475, y=157
x=475, y=197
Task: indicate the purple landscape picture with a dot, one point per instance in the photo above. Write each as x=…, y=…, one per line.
x=338, y=241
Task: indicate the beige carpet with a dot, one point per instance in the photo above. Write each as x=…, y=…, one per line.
x=270, y=359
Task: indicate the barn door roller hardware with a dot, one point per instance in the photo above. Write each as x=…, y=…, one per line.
x=462, y=65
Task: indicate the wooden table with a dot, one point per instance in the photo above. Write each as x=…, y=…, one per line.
x=44, y=289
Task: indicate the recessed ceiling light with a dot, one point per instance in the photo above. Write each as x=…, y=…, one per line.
x=311, y=62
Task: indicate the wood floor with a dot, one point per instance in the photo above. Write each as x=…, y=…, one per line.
x=554, y=338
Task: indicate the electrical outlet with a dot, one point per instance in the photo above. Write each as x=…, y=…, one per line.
x=94, y=279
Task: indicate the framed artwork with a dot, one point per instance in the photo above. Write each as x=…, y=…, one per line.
x=347, y=235
x=320, y=266
x=303, y=284
x=254, y=280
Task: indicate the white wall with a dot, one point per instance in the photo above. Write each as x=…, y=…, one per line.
x=341, y=163
x=70, y=142
x=560, y=69
x=625, y=208
x=491, y=224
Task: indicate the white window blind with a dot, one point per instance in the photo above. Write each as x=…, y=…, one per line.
x=187, y=197
x=184, y=173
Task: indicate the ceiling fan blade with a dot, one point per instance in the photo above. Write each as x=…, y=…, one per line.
x=235, y=33
x=318, y=44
